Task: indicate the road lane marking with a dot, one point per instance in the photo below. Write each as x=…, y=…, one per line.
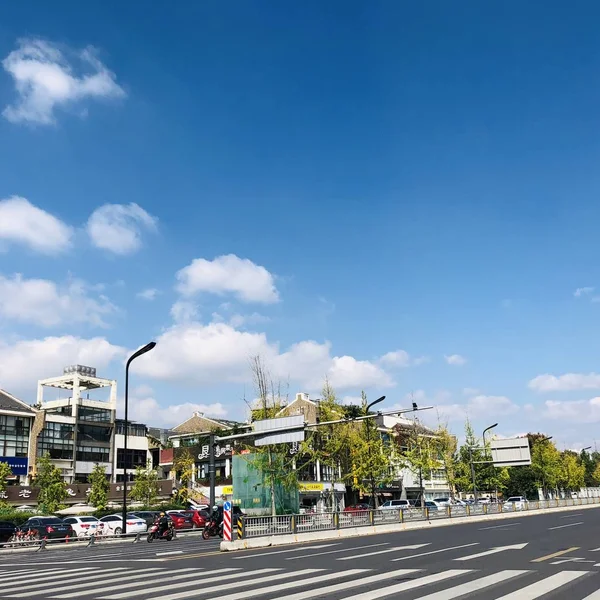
x=567, y=525
x=593, y=596
x=387, y=550
x=408, y=585
x=500, y=526
x=301, y=549
x=217, y=575
x=572, y=516
x=545, y=586
x=56, y=574
x=492, y=551
x=555, y=554
x=332, y=551
x=347, y=585
x=459, y=591
x=169, y=553
x=184, y=556
x=434, y=552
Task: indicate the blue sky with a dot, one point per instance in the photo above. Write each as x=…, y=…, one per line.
x=352, y=179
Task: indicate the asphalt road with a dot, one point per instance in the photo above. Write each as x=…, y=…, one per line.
x=522, y=558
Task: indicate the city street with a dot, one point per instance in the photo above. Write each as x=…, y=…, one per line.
x=522, y=558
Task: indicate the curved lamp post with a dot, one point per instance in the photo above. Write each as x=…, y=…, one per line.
x=373, y=498
x=139, y=352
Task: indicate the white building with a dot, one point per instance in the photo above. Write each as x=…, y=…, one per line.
x=76, y=430
x=138, y=449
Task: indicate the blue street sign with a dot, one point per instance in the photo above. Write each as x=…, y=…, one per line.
x=227, y=505
x=19, y=466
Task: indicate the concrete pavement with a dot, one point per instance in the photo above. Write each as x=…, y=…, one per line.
x=545, y=556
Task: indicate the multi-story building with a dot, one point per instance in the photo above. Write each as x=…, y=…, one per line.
x=16, y=423
x=138, y=449
x=76, y=431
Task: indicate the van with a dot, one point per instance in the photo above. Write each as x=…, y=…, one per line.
x=396, y=505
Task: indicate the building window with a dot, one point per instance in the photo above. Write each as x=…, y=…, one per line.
x=136, y=458
x=93, y=454
x=93, y=433
x=134, y=429
x=88, y=413
x=14, y=426
x=57, y=449
x=57, y=431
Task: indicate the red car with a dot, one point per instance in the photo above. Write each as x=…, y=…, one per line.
x=199, y=517
x=357, y=508
x=181, y=521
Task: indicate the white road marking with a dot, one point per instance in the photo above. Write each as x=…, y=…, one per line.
x=282, y=587
x=493, y=551
x=593, y=596
x=285, y=551
x=459, y=591
x=434, y=552
x=347, y=585
x=219, y=575
x=337, y=551
x=386, y=551
x=409, y=585
x=169, y=553
x=499, y=526
x=545, y=586
x=56, y=574
x=567, y=525
x=572, y=516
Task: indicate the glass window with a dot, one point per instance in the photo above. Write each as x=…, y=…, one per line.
x=93, y=433
x=93, y=454
x=136, y=458
x=134, y=429
x=88, y=413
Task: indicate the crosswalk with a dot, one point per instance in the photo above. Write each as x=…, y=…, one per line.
x=273, y=583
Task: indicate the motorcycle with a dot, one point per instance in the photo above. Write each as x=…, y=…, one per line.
x=153, y=534
x=212, y=528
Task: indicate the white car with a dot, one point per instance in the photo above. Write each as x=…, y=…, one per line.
x=85, y=526
x=442, y=502
x=516, y=503
x=113, y=524
x=396, y=505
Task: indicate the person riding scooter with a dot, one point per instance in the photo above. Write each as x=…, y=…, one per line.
x=163, y=524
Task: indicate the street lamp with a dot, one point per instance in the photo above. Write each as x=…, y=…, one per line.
x=373, y=496
x=139, y=352
x=485, y=454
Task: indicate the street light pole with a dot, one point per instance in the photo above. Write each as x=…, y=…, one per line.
x=373, y=494
x=139, y=352
x=485, y=451
x=546, y=439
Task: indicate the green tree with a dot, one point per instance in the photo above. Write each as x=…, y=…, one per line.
x=99, y=487
x=546, y=464
x=5, y=473
x=145, y=486
x=589, y=465
x=572, y=472
x=53, y=490
x=184, y=465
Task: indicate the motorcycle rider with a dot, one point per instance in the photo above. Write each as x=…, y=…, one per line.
x=163, y=523
x=217, y=517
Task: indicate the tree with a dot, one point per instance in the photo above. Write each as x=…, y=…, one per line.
x=184, y=465
x=99, y=487
x=545, y=462
x=5, y=473
x=589, y=465
x=572, y=472
x=145, y=486
x=53, y=490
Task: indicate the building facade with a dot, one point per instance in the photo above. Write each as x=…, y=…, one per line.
x=138, y=449
x=16, y=424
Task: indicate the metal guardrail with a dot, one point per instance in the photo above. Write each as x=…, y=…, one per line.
x=251, y=527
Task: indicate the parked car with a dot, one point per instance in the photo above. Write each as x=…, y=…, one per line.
x=85, y=526
x=181, y=521
x=357, y=508
x=442, y=502
x=149, y=516
x=431, y=505
x=7, y=530
x=114, y=524
x=516, y=503
x=396, y=505
x=51, y=528
x=199, y=517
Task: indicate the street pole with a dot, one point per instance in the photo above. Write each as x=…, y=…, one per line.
x=373, y=490
x=485, y=447
x=139, y=352
x=211, y=469
x=543, y=465
x=473, y=474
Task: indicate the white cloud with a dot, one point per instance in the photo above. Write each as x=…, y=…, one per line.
x=352, y=401
x=470, y=391
x=565, y=383
x=402, y=359
x=118, y=227
x=43, y=302
x=45, y=80
x=455, y=359
x=238, y=320
x=217, y=352
x=477, y=407
x=24, y=362
x=582, y=291
x=183, y=311
x=225, y=274
x=577, y=411
x=149, y=294
x=144, y=408
x=23, y=223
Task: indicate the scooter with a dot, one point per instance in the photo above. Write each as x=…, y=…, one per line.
x=153, y=534
x=212, y=528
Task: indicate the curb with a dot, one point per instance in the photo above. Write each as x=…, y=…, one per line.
x=353, y=532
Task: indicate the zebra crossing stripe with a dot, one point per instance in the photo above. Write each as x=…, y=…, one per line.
x=39, y=585
x=55, y=575
x=459, y=591
x=409, y=585
x=593, y=596
x=545, y=586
